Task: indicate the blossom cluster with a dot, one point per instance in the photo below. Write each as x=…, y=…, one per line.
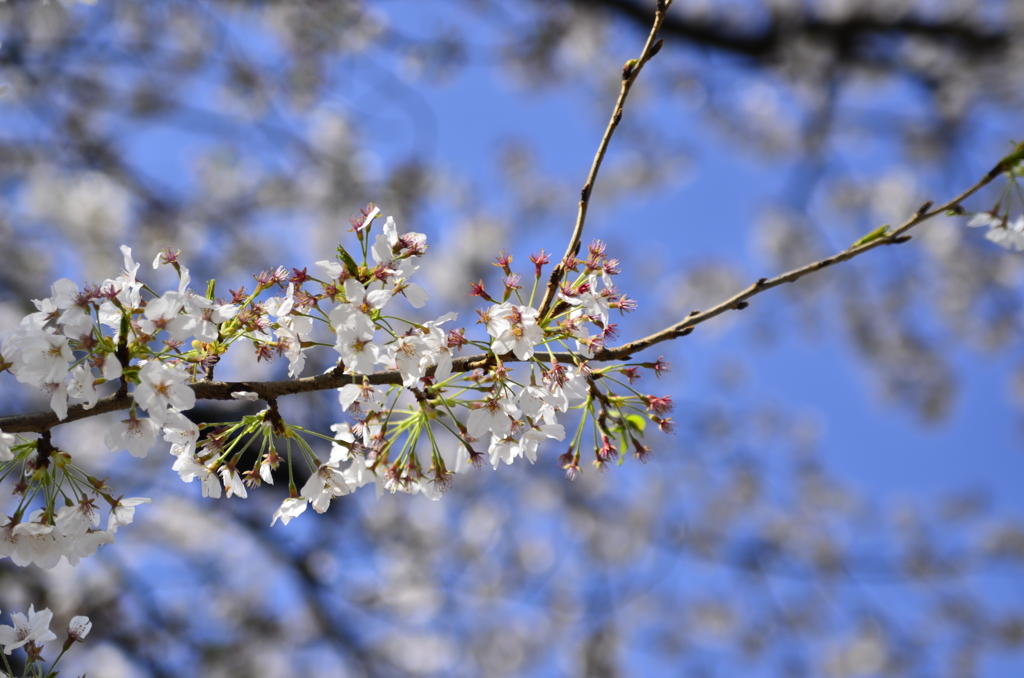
x=1002, y=230
x=410, y=431
x=29, y=632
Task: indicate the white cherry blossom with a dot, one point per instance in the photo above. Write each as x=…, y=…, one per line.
x=58, y=398
x=495, y=319
x=292, y=331
x=124, y=512
x=1010, y=236
x=189, y=468
x=86, y=545
x=201, y=320
x=79, y=627
x=289, y=508
x=111, y=369
x=322, y=486
x=538, y=403
x=7, y=440
x=340, y=453
x=35, y=628
x=83, y=386
x=42, y=357
x=407, y=355
x=135, y=435
x=389, y=244
x=534, y=436
x=368, y=398
x=127, y=287
x=181, y=433
x=160, y=312
x=31, y=542
x=358, y=352
x=495, y=416
x=354, y=315
x=74, y=521
x=161, y=388
x=521, y=333
x=332, y=269
x=233, y=485
x=438, y=353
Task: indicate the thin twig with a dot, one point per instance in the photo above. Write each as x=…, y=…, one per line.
x=739, y=301
x=629, y=75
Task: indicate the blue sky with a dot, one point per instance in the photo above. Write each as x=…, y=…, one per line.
x=877, y=448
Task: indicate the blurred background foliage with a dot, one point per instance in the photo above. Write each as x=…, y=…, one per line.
x=763, y=136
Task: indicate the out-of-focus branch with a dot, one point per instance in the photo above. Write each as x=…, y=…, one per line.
x=852, y=35
x=629, y=74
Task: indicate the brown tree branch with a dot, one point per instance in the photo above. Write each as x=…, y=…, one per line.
x=629, y=74
x=854, y=37
x=739, y=301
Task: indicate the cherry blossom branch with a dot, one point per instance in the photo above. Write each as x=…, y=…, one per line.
x=40, y=422
x=739, y=301
x=629, y=74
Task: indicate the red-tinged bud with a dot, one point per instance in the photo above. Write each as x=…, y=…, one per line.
x=503, y=261
x=624, y=304
x=442, y=480
x=660, y=366
x=457, y=338
x=477, y=290
x=252, y=478
x=594, y=264
x=499, y=373
x=393, y=477
x=539, y=259
x=631, y=373
x=665, y=424
x=33, y=652
x=331, y=292
x=239, y=295
x=412, y=469
x=382, y=272
x=304, y=300
x=570, y=461
x=641, y=452
x=475, y=458
x=568, y=291
x=659, y=405
x=173, y=344
x=556, y=376
x=298, y=276
x=282, y=346
x=606, y=453
x=169, y=256
x=363, y=219
x=264, y=279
